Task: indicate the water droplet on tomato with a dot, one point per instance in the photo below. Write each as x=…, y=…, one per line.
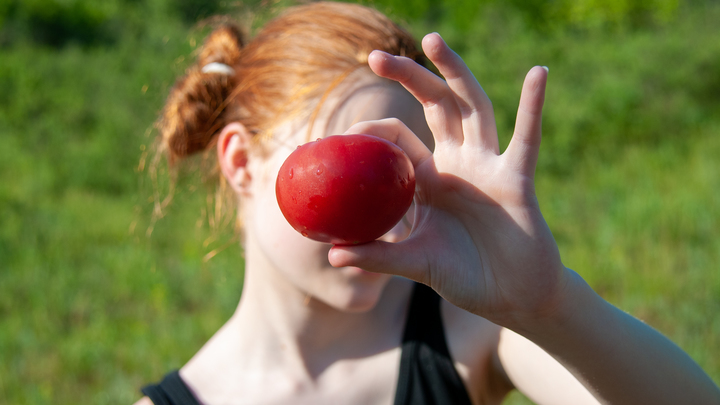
x=319, y=170
x=303, y=233
x=291, y=173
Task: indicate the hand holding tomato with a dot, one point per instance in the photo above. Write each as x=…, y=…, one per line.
x=478, y=238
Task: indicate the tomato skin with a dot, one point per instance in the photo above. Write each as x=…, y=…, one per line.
x=345, y=189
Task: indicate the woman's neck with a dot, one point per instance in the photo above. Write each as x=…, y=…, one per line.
x=278, y=328
x=284, y=321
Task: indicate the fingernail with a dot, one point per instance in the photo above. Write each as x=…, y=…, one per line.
x=435, y=33
x=546, y=68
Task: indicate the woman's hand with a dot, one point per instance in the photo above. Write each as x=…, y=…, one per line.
x=478, y=238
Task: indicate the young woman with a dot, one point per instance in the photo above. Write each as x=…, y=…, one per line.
x=318, y=324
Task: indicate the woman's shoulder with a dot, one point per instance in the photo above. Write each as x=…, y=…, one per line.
x=469, y=334
x=144, y=401
x=473, y=344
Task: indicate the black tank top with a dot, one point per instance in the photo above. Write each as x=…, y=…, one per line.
x=427, y=374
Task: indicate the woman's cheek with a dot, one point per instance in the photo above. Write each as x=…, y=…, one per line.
x=271, y=226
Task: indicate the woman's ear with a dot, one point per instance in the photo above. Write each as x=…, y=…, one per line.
x=233, y=149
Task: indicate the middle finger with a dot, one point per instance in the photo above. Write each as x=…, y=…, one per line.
x=441, y=110
x=478, y=118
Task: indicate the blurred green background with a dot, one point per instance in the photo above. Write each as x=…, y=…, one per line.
x=97, y=298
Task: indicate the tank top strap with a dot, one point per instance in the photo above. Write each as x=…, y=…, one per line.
x=172, y=390
x=427, y=372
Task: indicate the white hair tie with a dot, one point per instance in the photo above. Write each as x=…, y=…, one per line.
x=220, y=68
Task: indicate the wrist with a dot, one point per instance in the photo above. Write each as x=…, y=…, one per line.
x=572, y=300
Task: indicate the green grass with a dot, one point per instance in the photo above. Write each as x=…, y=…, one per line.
x=91, y=307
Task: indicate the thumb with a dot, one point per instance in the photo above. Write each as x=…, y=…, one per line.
x=399, y=259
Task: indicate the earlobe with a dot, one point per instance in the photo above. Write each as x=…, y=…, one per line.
x=233, y=150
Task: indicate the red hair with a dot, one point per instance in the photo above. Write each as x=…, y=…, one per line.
x=286, y=70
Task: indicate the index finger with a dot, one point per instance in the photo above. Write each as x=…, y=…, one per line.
x=478, y=118
x=395, y=131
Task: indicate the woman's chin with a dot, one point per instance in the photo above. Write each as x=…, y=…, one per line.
x=363, y=291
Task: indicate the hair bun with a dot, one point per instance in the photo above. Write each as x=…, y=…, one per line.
x=196, y=107
x=223, y=45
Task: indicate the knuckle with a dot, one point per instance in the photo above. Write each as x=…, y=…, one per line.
x=394, y=121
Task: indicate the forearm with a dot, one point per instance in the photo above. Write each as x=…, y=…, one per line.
x=618, y=358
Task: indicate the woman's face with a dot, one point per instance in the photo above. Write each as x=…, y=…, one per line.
x=270, y=240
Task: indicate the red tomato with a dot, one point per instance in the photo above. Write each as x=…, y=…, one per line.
x=345, y=189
